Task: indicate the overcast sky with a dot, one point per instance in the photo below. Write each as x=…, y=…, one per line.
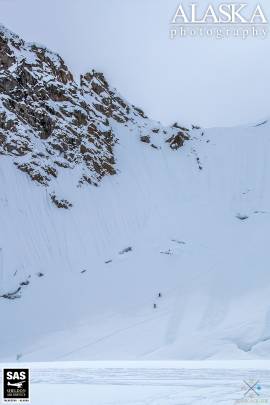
x=206, y=81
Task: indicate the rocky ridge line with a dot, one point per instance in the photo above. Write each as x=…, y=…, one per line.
x=49, y=122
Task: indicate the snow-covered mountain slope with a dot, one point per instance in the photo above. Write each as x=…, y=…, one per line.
x=185, y=215
x=49, y=122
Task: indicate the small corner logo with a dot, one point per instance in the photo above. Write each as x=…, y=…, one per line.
x=252, y=393
x=252, y=388
x=16, y=385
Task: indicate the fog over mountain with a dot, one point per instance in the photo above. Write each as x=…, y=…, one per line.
x=208, y=81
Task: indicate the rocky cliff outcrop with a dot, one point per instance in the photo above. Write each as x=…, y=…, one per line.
x=49, y=122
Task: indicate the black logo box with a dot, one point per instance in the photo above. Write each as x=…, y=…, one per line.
x=16, y=384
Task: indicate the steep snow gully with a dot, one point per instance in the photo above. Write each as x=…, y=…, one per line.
x=165, y=259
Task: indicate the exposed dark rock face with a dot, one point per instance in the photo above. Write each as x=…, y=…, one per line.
x=60, y=202
x=45, y=122
x=49, y=122
x=145, y=139
x=177, y=141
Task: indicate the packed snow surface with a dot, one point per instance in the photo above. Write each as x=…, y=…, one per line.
x=149, y=383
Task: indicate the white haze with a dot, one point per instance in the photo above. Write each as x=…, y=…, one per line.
x=206, y=81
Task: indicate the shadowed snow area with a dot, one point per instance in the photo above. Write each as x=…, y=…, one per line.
x=190, y=224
